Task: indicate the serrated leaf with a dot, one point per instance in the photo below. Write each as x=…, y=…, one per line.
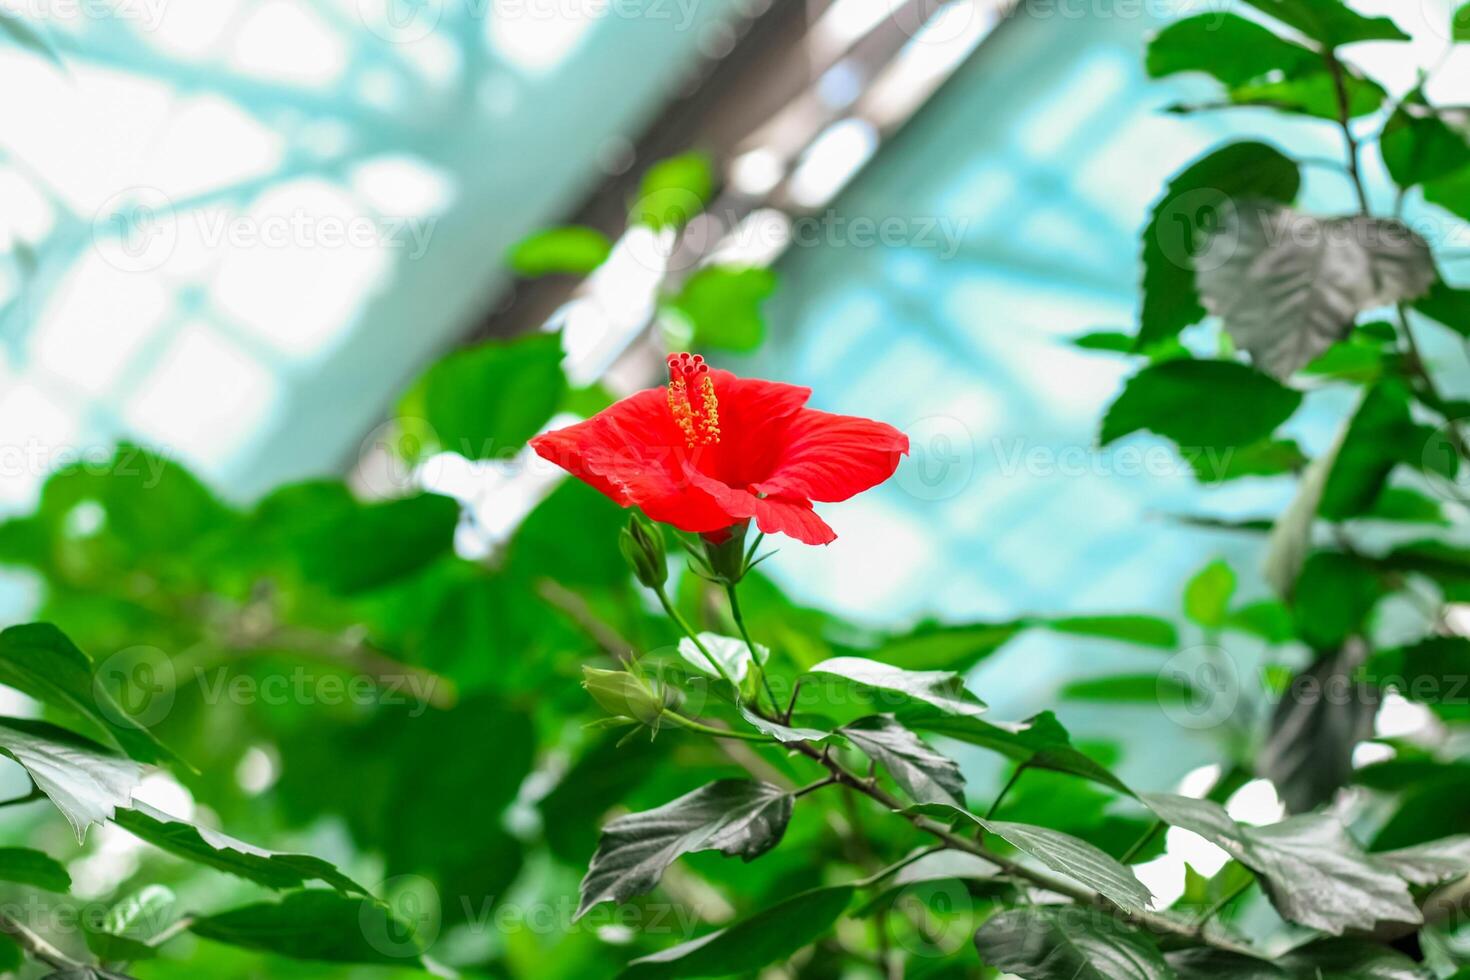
x=1431, y=863
x=573, y=250
x=926, y=775
x=745, y=947
x=25, y=866
x=1039, y=742
x=894, y=688
x=1289, y=285
x=1069, y=856
x=1180, y=400
x=484, y=402
x=39, y=660
x=732, y=816
x=1311, y=869
x=85, y=781
x=731, y=652
x=317, y=925
x=1147, y=631
x=1193, y=203
x=1207, y=595
x=1068, y=943
x=224, y=853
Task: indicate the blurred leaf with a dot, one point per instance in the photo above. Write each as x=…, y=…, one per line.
x=23, y=34
x=38, y=659
x=925, y=775
x=1180, y=400
x=1289, y=285
x=1446, y=565
x=1232, y=49
x=1039, y=742
x=542, y=548
x=1068, y=943
x=1207, y=595
x=1446, y=305
x=745, y=947
x=731, y=653
x=1407, y=506
x=1313, y=872
x=122, y=935
x=216, y=850
x=1381, y=435
x=1330, y=21
x=28, y=867
x=1435, y=672
x=1326, y=959
x=317, y=925
x=732, y=816
x=484, y=402
x=1350, y=362
x=1271, y=457
x=1195, y=202
x=1109, y=340
x=85, y=781
x=894, y=688
x=673, y=191
x=600, y=778
x=722, y=305
x=1067, y=855
x=1131, y=689
x=931, y=646
x=1148, y=631
x=573, y=250
x=1313, y=93
x=1418, y=146
x=1320, y=718
x=945, y=865
x=1432, y=863
x=1268, y=619
x=1334, y=596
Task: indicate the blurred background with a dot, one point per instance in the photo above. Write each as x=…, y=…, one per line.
x=235, y=231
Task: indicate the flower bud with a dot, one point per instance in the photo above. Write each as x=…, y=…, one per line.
x=623, y=695
x=725, y=552
x=642, y=544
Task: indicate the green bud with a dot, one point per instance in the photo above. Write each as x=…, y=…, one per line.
x=624, y=696
x=727, y=557
x=642, y=544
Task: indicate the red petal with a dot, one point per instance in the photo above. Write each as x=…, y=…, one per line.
x=633, y=453
x=830, y=457
x=753, y=414
x=773, y=515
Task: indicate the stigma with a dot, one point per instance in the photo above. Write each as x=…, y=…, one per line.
x=692, y=400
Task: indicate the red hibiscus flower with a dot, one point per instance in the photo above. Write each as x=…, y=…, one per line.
x=711, y=451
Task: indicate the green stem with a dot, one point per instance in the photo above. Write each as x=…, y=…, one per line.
x=1225, y=900
x=713, y=732
x=683, y=624
x=1345, y=122
x=750, y=645
x=1142, y=842
x=1015, y=777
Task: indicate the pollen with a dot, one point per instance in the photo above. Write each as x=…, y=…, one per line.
x=692, y=400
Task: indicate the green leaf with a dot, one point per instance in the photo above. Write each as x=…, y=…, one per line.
x=747, y=946
x=1460, y=26
x=1289, y=285
x=1313, y=872
x=936, y=647
x=1207, y=595
x=1330, y=21
x=123, y=934
x=780, y=732
x=1432, y=671
x=1320, y=718
x=893, y=688
x=573, y=250
x=85, y=781
x=1068, y=943
x=732, y=816
x=1130, y=689
x=1334, y=597
x=1328, y=959
x=1114, y=341
x=1444, y=564
x=486, y=401
x=1039, y=742
x=1406, y=506
x=601, y=777
x=1270, y=457
x=925, y=775
x=320, y=926
x=1418, y=146
x=1451, y=192
x=1069, y=856
x=1195, y=202
x=674, y=190
x=39, y=660
x=1268, y=619
x=1381, y=435
x=345, y=546
x=731, y=653
x=1180, y=400
x=722, y=306
x=224, y=853
x=1230, y=48
x=27, y=867
x=1313, y=93
x=1431, y=863
x=945, y=865
x=1147, y=631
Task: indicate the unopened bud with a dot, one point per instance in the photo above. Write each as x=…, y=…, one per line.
x=624, y=696
x=642, y=544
